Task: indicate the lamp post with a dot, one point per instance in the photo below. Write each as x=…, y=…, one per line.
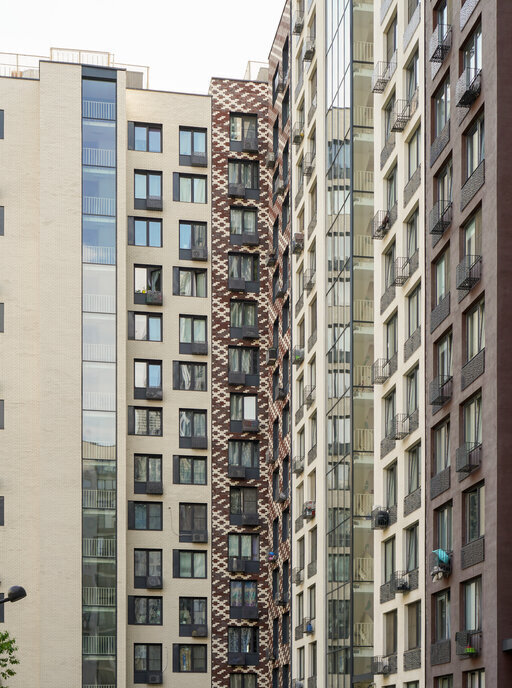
x=14, y=594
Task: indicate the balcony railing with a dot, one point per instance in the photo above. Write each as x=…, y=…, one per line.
x=99, y=597
x=382, y=73
x=298, y=23
x=440, y=390
x=309, y=394
x=363, y=503
x=382, y=222
x=102, y=157
x=298, y=465
x=468, y=272
x=402, y=425
x=91, y=205
x=468, y=457
x=468, y=87
x=99, y=547
x=297, y=243
x=309, y=49
x=363, y=310
x=363, y=439
x=363, y=568
x=440, y=564
x=440, y=217
x=440, y=43
x=383, y=368
x=309, y=279
x=402, y=113
x=363, y=634
x=384, y=665
x=309, y=164
x=99, y=644
x=401, y=272
x=99, y=499
x=468, y=643
x=298, y=133
x=312, y=108
x=380, y=517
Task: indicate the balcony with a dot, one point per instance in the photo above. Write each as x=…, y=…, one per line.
x=99, y=499
x=440, y=312
x=98, y=645
x=299, y=304
x=312, y=108
x=298, y=23
x=403, y=581
x=312, y=224
x=309, y=49
x=312, y=340
x=298, y=465
x=153, y=298
x=308, y=625
x=99, y=597
x=401, y=272
x=312, y=453
x=468, y=457
x=99, y=547
x=440, y=564
x=298, y=576
x=299, y=413
x=382, y=222
x=299, y=632
x=472, y=185
x=309, y=279
x=472, y=369
x=309, y=394
x=382, y=73
x=468, y=644
x=297, y=244
x=297, y=355
x=299, y=195
x=468, y=273
x=440, y=217
x=380, y=517
x=383, y=368
x=468, y=87
x=440, y=43
x=308, y=511
x=239, y=565
x=384, y=665
x=402, y=113
x=440, y=390
x=298, y=133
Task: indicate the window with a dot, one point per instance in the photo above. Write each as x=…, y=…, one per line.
x=189, y=470
x=144, y=327
x=474, y=514
x=192, y=613
x=145, y=515
x=243, y=594
x=148, y=190
x=243, y=407
x=411, y=548
x=414, y=469
x=147, y=568
x=189, y=376
x=244, y=177
x=189, y=282
x=413, y=625
x=472, y=413
x=243, y=500
x=193, y=522
x=414, y=311
x=243, y=221
x=443, y=517
x=147, y=469
x=389, y=266
x=389, y=413
x=444, y=357
x=188, y=564
x=285, y=110
x=441, y=107
x=192, y=146
x=441, y=448
x=285, y=528
x=144, y=232
x=388, y=118
x=146, y=660
x=411, y=389
x=442, y=279
x=390, y=632
x=472, y=53
x=243, y=453
x=275, y=137
x=242, y=681
x=442, y=616
x=474, y=146
x=193, y=335
x=392, y=336
x=145, y=137
x=414, y=151
x=391, y=485
x=146, y=611
x=243, y=271
x=244, y=640
x=391, y=190
x=192, y=428
x=193, y=238
x=144, y=421
x=472, y=236
x=389, y=559
x=447, y=682
x=189, y=658
x=412, y=234
x=243, y=128
x=189, y=188
x=243, y=314
x=147, y=281
x=300, y=663
x=147, y=376
x=475, y=330
x=472, y=591
x=412, y=70
x=243, y=359
x=244, y=547
x=391, y=40
x=285, y=422
x=474, y=679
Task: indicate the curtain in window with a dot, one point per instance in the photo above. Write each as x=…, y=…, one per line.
x=199, y=190
x=246, y=639
x=186, y=282
x=414, y=478
x=199, y=611
x=250, y=500
x=237, y=401
x=233, y=358
x=199, y=565
x=185, y=376
x=236, y=593
x=140, y=516
x=185, y=189
x=233, y=640
x=250, y=314
x=199, y=236
x=154, y=280
x=200, y=377
x=412, y=401
x=200, y=424
x=200, y=330
x=247, y=176
x=251, y=594
x=246, y=361
x=236, y=221
x=154, y=423
x=235, y=501
x=412, y=549
x=185, y=330
x=185, y=470
x=185, y=657
x=249, y=127
x=233, y=550
x=141, y=422
x=391, y=486
x=140, y=658
x=247, y=268
x=250, y=221
x=200, y=472
x=154, y=611
x=185, y=424
x=199, y=142
x=235, y=129
x=233, y=169
x=236, y=314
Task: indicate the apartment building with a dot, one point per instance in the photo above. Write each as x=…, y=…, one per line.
x=398, y=371
x=332, y=134
x=467, y=505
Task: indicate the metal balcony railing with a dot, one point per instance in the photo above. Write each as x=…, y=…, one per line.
x=440, y=390
x=309, y=279
x=309, y=164
x=99, y=499
x=468, y=87
x=99, y=644
x=298, y=133
x=468, y=643
x=440, y=564
x=401, y=581
x=298, y=23
x=402, y=113
x=309, y=49
x=297, y=243
x=401, y=426
x=440, y=43
x=309, y=394
x=382, y=73
x=298, y=465
x=380, y=517
x=99, y=547
x=440, y=217
x=401, y=272
x=384, y=665
x=298, y=575
x=468, y=272
x=382, y=369
x=382, y=223
x=99, y=597
x=468, y=457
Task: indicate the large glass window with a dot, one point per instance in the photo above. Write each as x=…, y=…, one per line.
x=145, y=421
x=441, y=448
x=243, y=313
x=145, y=610
x=147, y=137
x=441, y=108
x=244, y=547
x=472, y=591
x=145, y=515
x=146, y=232
x=190, y=470
x=474, y=146
x=243, y=639
x=243, y=173
x=148, y=185
x=474, y=510
x=192, y=142
x=414, y=469
x=191, y=658
x=414, y=311
x=147, y=658
x=192, y=423
x=243, y=266
x=190, y=188
x=146, y=327
x=190, y=564
x=192, y=611
x=442, y=278
x=190, y=376
x=475, y=330
x=243, y=221
x=192, y=329
x=242, y=127
x=442, y=616
x=444, y=517
x=414, y=151
x=189, y=282
x=389, y=559
x=192, y=235
x=411, y=548
x=243, y=594
x=444, y=357
x=472, y=412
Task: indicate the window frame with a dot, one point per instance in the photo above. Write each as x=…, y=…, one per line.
x=142, y=675
x=149, y=201
x=148, y=221
x=132, y=603
x=141, y=581
x=195, y=158
x=148, y=128
x=177, y=567
x=177, y=473
x=194, y=378
x=193, y=441
x=196, y=666
x=147, y=486
x=193, y=347
x=133, y=412
x=177, y=195
x=148, y=506
x=198, y=516
x=132, y=325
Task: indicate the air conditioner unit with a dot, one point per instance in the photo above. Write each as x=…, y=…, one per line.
x=386, y=669
x=271, y=355
x=199, y=253
x=282, y=497
x=154, y=582
x=199, y=537
x=155, y=677
x=271, y=258
x=281, y=394
x=270, y=159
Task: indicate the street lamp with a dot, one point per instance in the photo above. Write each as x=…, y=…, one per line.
x=15, y=593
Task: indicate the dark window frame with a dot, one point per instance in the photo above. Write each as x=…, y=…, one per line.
x=148, y=202
x=196, y=158
x=148, y=127
x=132, y=504
x=131, y=610
x=177, y=472
x=132, y=221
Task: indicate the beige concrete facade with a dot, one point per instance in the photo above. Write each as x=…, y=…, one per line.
x=398, y=230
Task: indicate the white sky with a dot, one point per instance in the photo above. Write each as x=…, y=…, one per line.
x=184, y=42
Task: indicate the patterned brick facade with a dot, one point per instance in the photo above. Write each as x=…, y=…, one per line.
x=242, y=97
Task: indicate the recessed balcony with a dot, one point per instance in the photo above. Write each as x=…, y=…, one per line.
x=468, y=87
x=440, y=217
x=440, y=43
x=440, y=390
x=468, y=457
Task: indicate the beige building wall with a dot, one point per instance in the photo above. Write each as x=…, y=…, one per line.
x=393, y=287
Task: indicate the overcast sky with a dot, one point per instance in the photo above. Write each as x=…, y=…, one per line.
x=184, y=42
